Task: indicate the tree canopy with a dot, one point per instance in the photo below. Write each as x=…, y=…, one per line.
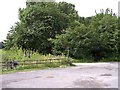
x=51, y=27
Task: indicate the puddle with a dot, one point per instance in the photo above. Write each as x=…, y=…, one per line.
x=87, y=83
x=49, y=77
x=38, y=77
x=106, y=75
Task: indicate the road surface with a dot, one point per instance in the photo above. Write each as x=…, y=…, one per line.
x=84, y=75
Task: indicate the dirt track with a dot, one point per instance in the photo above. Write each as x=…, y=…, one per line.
x=87, y=75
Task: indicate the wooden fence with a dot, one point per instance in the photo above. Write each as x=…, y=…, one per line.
x=9, y=65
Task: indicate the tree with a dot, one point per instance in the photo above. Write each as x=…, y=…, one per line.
x=74, y=39
x=40, y=21
x=105, y=25
x=96, y=39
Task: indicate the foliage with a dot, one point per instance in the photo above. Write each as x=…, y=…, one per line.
x=39, y=22
x=56, y=28
x=17, y=55
x=95, y=41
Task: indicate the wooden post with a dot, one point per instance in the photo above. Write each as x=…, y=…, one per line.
x=67, y=57
x=37, y=63
x=24, y=63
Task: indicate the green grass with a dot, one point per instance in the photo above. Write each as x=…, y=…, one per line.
x=18, y=55
x=22, y=70
x=33, y=67
x=0, y=54
x=112, y=59
x=83, y=61
x=0, y=50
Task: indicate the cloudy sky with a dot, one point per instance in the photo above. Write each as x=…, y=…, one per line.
x=9, y=10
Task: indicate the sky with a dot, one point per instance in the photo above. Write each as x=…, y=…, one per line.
x=86, y=8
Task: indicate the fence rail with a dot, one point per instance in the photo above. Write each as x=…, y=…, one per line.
x=10, y=64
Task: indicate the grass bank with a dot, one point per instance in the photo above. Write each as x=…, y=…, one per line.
x=18, y=55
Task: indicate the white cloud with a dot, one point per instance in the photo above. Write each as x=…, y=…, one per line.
x=9, y=10
x=8, y=15
x=87, y=7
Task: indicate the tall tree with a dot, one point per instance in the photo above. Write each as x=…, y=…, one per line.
x=97, y=39
x=40, y=21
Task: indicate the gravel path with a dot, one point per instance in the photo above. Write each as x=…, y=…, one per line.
x=84, y=75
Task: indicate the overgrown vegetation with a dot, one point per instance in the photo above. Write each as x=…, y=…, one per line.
x=48, y=29
x=18, y=55
x=31, y=64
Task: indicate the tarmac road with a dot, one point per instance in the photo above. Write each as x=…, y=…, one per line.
x=84, y=75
